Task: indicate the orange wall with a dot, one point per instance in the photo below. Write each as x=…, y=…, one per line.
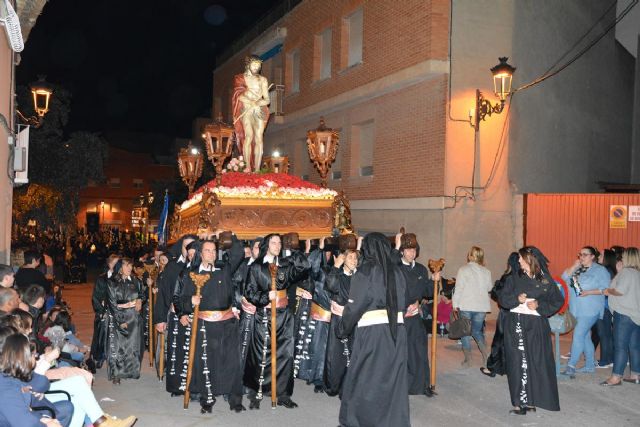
x=561, y=224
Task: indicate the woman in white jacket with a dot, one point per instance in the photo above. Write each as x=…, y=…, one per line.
x=471, y=300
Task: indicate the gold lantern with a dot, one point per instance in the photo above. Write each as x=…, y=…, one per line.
x=190, y=163
x=218, y=140
x=322, y=144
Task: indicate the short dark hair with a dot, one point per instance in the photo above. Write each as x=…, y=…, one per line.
x=15, y=359
x=31, y=255
x=6, y=331
x=26, y=320
x=32, y=294
x=5, y=270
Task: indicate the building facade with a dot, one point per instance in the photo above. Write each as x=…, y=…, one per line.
x=28, y=12
x=398, y=80
x=128, y=175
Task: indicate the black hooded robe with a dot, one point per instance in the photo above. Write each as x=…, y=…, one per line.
x=339, y=350
x=290, y=270
x=530, y=365
x=374, y=391
x=100, y=322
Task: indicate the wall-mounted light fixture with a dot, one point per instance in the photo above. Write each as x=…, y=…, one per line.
x=502, y=76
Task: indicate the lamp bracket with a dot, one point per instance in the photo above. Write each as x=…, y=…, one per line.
x=34, y=121
x=484, y=108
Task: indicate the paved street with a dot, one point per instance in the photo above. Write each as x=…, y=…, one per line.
x=465, y=396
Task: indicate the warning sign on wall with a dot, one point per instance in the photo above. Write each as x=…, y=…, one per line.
x=617, y=216
x=634, y=213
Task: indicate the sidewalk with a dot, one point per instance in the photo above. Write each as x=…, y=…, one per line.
x=465, y=396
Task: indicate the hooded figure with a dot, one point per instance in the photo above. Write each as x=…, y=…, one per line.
x=375, y=387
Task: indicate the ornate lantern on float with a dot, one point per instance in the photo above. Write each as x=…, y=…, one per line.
x=276, y=163
x=218, y=140
x=190, y=163
x=322, y=144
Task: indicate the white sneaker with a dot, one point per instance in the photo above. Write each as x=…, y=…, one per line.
x=608, y=365
x=565, y=356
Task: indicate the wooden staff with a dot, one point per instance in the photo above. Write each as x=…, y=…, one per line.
x=435, y=267
x=152, y=270
x=198, y=280
x=273, y=268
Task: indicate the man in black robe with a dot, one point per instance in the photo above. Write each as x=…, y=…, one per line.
x=257, y=375
x=217, y=366
x=165, y=317
x=419, y=286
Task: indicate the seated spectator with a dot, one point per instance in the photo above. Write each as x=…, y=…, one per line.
x=7, y=277
x=21, y=388
x=34, y=296
x=29, y=274
x=9, y=300
x=72, y=345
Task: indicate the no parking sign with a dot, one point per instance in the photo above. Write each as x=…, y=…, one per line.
x=618, y=216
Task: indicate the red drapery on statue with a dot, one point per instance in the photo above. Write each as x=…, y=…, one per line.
x=239, y=88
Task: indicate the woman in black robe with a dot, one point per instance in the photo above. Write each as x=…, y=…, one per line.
x=375, y=388
x=531, y=296
x=338, y=350
x=125, y=328
x=99, y=302
x=495, y=361
x=257, y=375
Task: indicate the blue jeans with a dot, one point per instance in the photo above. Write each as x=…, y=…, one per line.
x=626, y=341
x=477, y=328
x=605, y=332
x=582, y=342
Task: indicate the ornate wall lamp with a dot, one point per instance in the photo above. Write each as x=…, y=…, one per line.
x=322, y=144
x=41, y=92
x=190, y=163
x=502, y=75
x=218, y=140
x=276, y=162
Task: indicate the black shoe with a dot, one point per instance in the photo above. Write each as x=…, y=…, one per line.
x=287, y=403
x=488, y=372
x=206, y=408
x=91, y=365
x=530, y=408
x=428, y=392
x=177, y=393
x=254, y=404
x=237, y=408
x=116, y=381
x=318, y=389
x=519, y=411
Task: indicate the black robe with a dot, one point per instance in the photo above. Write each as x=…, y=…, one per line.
x=124, y=344
x=164, y=311
x=527, y=343
x=290, y=270
x=374, y=392
x=312, y=337
x=496, y=360
x=217, y=365
x=246, y=319
x=100, y=322
x=338, y=350
x=419, y=286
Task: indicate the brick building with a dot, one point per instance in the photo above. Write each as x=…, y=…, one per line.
x=398, y=79
x=128, y=175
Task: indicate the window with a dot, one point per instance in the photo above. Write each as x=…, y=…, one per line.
x=353, y=24
x=294, y=70
x=138, y=183
x=115, y=208
x=363, y=142
x=336, y=175
x=114, y=182
x=323, y=55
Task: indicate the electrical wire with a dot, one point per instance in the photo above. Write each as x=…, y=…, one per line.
x=449, y=93
x=583, y=50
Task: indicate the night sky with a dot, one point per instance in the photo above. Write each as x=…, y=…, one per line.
x=135, y=65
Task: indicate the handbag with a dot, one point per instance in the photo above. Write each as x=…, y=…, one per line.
x=562, y=323
x=459, y=326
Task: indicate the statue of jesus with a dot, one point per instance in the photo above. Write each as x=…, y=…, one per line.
x=250, y=102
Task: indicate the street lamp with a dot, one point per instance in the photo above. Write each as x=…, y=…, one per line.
x=41, y=92
x=502, y=76
x=190, y=163
x=102, y=207
x=218, y=140
x=322, y=144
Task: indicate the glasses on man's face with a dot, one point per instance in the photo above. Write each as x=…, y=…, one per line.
x=583, y=254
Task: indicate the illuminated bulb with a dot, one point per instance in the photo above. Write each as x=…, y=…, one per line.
x=194, y=151
x=276, y=153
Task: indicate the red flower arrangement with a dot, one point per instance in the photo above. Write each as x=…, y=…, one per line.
x=255, y=180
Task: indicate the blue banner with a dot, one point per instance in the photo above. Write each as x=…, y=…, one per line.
x=162, y=224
